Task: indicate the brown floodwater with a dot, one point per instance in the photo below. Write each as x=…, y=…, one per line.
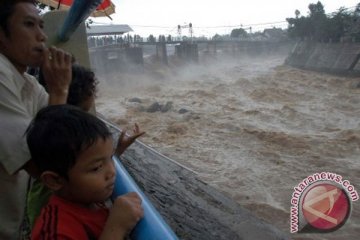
x=250, y=127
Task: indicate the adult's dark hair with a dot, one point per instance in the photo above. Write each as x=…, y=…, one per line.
x=83, y=84
x=7, y=8
x=59, y=133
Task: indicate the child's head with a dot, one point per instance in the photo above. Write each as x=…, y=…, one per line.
x=82, y=90
x=73, y=151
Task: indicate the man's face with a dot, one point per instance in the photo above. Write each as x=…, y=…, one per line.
x=25, y=44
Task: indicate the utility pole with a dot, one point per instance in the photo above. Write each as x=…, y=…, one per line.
x=190, y=31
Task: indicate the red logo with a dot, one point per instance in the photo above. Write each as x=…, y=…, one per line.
x=326, y=207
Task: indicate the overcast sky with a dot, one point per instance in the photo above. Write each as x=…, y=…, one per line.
x=211, y=16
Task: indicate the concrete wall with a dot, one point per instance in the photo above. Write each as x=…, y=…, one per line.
x=248, y=47
x=108, y=59
x=161, y=53
x=341, y=58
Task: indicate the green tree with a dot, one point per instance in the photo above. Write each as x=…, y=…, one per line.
x=318, y=21
x=354, y=31
x=238, y=33
x=137, y=38
x=320, y=27
x=44, y=7
x=340, y=24
x=161, y=38
x=299, y=28
x=151, y=38
x=216, y=37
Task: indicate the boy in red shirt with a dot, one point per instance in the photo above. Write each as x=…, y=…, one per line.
x=73, y=151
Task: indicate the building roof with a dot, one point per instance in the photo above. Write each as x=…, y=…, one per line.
x=274, y=33
x=97, y=30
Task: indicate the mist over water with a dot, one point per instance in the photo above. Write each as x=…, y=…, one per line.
x=250, y=127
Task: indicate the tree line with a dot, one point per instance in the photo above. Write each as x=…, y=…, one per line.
x=322, y=27
x=318, y=26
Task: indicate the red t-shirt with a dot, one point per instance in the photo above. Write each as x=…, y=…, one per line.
x=61, y=219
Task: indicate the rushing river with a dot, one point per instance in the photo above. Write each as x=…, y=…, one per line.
x=250, y=127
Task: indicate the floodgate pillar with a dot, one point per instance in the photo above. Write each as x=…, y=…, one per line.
x=187, y=52
x=161, y=53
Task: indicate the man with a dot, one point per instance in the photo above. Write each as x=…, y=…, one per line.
x=22, y=45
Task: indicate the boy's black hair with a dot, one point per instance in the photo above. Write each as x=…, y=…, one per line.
x=59, y=133
x=83, y=84
x=7, y=8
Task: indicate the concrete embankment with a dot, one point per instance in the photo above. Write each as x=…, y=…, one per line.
x=193, y=209
x=338, y=58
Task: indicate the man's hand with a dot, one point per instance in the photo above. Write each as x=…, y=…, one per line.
x=125, y=140
x=57, y=73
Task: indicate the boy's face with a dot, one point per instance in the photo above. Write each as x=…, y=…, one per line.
x=26, y=42
x=92, y=177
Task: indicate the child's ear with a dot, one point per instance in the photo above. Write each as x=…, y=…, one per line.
x=52, y=180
